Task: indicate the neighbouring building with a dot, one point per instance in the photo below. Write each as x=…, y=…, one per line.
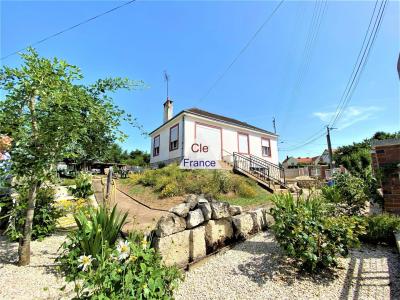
x=174, y=139
x=386, y=165
x=297, y=162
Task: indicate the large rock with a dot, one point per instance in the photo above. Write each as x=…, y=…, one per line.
x=219, y=210
x=259, y=219
x=206, y=209
x=201, y=199
x=174, y=249
x=194, y=218
x=235, y=210
x=197, y=246
x=181, y=210
x=243, y=225
x=192, y=200
x=170, y=224
x=218, y=232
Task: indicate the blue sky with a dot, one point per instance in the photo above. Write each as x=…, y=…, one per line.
x=196, y=41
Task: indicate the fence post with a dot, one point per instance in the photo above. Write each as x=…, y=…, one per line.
x=109, y=182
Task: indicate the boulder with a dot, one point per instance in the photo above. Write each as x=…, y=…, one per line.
x=206, y=209
x=219, y=210
x=235, y=210
x=192, y=200
x=174, y=249
x=194, y=218
x=201, y=199
x=243, y=225
x=218, y=233
x=197, y=245
x=259, y=219
x=170, y=224
x=181, y=210
x=268, y=217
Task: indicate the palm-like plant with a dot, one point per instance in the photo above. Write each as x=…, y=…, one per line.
x=99, y=227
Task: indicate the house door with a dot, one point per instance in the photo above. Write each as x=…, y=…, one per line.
x=210, y=136
x=243, y=143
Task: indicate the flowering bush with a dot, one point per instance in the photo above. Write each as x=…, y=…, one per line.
x=108, y=268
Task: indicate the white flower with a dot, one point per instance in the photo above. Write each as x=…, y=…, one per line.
x=124, y=250
x=85, y=262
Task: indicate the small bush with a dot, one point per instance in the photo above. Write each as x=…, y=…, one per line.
x=44, y=219
x=306, y=231
x=83, y=186
x=348, y=194
x=245, y=190
x=170, y=190
x=380, y=228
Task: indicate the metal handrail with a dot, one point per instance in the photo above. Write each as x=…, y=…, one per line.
x=262, y=169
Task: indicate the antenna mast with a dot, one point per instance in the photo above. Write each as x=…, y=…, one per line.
x=166, y=79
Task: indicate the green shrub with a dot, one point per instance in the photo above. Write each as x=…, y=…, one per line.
x=306, y=231
x=245, y=190
x=170, y=190
x=348, y=194
x=44, y=219
x=83, y=186
x=380, y=228
x=116, y=269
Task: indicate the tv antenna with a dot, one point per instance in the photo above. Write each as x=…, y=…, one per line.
x=166, y=79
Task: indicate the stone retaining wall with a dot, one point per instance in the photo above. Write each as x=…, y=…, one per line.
x=200, y=226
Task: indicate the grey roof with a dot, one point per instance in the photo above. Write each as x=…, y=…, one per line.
x=220, y=118
x=388, y=142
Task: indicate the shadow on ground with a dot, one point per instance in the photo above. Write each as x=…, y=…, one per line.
x=369, y=270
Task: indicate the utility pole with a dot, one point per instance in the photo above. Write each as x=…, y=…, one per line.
x=273, y=123
x=328, y=139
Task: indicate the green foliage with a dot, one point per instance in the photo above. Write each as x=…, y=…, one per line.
x=83, y=186
x=99, y=227
x=380, y=228
x=173, y=181
x=308, y=233
x=45, y=219
x=348, y=194
x=116, y=269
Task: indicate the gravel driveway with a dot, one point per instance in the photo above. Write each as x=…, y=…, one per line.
x=256, y=269
x=39, y=280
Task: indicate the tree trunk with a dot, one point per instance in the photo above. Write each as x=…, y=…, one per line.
x=24, y=250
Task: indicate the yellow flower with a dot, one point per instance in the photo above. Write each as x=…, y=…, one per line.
x=144, y=243
x=132, y=258
x=144, y=286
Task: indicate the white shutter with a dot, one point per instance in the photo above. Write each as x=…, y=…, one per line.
x=243, y=143
x=265, y=143
x=174, y=133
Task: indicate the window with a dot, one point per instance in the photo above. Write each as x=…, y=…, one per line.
x=265, y=147
x=156, y=146
x=174, y=137
x=243, y=143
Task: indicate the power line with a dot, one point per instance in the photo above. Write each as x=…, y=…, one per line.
x=241, y=51
x=357, y=70
x=67, y=29
x=361, y=61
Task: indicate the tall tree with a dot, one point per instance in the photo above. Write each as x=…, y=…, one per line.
x=49, y=116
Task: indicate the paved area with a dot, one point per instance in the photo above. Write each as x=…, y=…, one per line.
x=257, y=269
x=140, y=217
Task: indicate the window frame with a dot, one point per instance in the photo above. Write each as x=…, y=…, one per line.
x=177, y=140
x=270, y=150
x=154, y=147
x=248, y=142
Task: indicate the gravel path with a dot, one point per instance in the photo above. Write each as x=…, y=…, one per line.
x=39, y=280
x=256, y=269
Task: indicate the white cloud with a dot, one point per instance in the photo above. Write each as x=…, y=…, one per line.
x=352, y=115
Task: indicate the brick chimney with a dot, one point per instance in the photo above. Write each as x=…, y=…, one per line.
x=168, y=110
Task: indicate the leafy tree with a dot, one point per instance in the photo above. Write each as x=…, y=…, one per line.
x=49, y=115
x=138, y=158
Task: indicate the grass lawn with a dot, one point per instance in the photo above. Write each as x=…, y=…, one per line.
x=263, y=198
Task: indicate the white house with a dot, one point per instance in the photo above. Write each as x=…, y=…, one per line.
x=196, y=130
